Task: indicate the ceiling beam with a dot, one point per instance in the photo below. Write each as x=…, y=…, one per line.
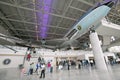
x=10, y=26
x=27, y=22
x=35, y=31
x=83, y=1
x=47, y=33
x=78, y=9
x=114, y=14
x=28, y=30
x=26, y=3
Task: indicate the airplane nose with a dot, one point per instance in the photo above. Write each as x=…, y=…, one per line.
x=110, y=4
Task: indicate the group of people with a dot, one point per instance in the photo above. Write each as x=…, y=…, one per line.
x=68, y=64
x=40, y=68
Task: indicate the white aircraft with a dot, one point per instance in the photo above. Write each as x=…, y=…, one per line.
x=90, y=20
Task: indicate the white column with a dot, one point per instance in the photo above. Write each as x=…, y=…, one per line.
x=97, y=51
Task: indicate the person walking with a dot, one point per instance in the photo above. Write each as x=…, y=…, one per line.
x=52, y=65
x=39, y=59
x=91, y=63
x=28, y=57
x=37, y=67
x=48, y=66
x=79, y=65
x=42, y=71
x=68, y=65
x=31, y=68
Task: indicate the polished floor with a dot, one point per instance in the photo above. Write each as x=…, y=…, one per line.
x=85, y=73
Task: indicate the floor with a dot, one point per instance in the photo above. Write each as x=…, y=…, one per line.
x=85, y=73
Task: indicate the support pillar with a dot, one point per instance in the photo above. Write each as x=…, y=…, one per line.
x=97, y=51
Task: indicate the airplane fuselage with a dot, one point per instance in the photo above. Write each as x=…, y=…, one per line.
x=92, y=18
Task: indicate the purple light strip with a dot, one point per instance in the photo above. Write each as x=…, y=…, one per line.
x=43, y=18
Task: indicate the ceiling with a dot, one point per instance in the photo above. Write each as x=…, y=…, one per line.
x=34, y=20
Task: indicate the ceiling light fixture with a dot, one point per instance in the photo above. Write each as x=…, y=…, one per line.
x=43, y=17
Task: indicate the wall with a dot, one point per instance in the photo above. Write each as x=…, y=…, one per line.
x=15, y=61
x=17, y=58
x=106, y=54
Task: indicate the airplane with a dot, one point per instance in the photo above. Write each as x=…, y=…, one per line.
x=91, y=18
x=88, y=21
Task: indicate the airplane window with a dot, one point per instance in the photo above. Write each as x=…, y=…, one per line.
x=71, y=33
